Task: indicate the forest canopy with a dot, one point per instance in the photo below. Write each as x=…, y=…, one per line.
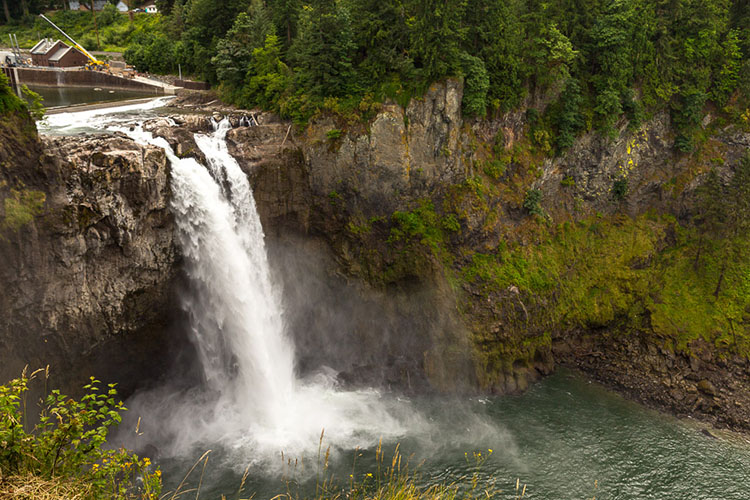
x=589, y=62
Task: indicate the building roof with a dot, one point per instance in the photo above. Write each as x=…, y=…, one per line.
x=60, y=53
x=44, y=46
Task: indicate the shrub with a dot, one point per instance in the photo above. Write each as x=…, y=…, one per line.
x=66, y=445
x=36, y=108
x=620, y=188
x=333, y=134
x=532, y=202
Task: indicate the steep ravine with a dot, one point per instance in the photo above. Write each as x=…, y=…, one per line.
x=408, y=248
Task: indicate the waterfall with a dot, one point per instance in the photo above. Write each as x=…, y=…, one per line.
x=251, y=401
x=237, y=323
x=234, y=311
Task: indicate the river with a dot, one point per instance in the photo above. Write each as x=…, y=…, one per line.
x=56, y=97
x=564, y=438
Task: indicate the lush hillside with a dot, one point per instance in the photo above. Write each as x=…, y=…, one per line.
x=593, y=61
x=116, y=30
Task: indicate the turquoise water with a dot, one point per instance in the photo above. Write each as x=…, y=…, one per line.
x=561, y=438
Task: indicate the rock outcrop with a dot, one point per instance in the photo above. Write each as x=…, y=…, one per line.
x=89, y=262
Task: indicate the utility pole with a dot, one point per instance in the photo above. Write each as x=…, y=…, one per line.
x=96, y=28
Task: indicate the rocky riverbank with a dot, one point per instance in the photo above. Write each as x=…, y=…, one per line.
x=705, y=386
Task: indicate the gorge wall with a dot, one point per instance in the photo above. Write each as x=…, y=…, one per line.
x=419, y=250
x=89, y=263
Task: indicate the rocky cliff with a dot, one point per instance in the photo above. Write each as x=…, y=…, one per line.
x=531, y=257
x=419, y=250
x=90, y=266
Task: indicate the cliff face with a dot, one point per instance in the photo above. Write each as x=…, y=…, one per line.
x=531, y=258
x=420, y=250
x=89, y=257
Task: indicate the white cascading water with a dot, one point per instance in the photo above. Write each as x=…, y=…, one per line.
x=235, y=311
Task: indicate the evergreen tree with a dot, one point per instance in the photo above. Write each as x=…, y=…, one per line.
x=271, y=79
x=285, y=16
x=436, y=36
x=382, y=38
x=611, y=55
x=234, y=52
x=495, y=35
x=323, y=50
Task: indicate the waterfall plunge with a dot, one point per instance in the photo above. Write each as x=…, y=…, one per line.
x=252, y=403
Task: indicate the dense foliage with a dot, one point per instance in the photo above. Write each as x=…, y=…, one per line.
x=116, y=31
x=604, y=60
x=66, y=445
x=9, y=101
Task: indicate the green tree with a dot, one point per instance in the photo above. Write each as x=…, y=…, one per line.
x=437, y=33
x=495, y=35
x=566, y=115
x=476, y=85
x=234, y=52
x=726, y=81
x=382, y=39
x=323, y=51
x=613, y=72
x=285, y=16
x=271, y=79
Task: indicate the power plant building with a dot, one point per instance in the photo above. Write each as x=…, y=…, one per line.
x=57, y=55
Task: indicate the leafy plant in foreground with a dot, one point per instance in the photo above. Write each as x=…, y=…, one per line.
x=67, y=443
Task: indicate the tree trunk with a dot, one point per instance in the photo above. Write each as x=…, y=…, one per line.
x=7, y=12
x=721, y=278
x=25, y=8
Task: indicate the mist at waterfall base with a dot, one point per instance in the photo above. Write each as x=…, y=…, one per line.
x=560, y=437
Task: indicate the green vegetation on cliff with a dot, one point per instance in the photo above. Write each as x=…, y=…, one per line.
x=678, y=282
x=9, y=101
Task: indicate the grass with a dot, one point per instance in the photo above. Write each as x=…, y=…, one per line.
x=21, y=207
x=392, y=479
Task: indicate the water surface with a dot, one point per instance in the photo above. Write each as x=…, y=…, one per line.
x=560, y=438
x=55, y=97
